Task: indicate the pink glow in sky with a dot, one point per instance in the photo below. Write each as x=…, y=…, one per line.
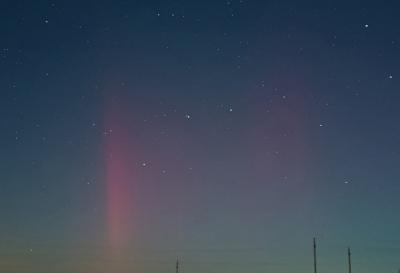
x=119, y=177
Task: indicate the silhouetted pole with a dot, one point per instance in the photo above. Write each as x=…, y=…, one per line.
x=349, y=258
x=177, y=266
x=315, y=255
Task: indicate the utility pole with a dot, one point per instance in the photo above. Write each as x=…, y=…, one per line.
x=315, y=255
x=349, y=258
x=177, y=265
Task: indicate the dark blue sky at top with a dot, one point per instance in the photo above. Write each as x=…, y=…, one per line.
x=253, y=126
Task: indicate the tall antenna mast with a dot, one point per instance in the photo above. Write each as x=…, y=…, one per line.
x=177, y=265
x=315, y=255
x=349, y=258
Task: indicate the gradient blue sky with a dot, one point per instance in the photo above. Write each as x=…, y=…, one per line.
x=228, y=133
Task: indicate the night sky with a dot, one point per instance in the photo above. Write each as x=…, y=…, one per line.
x=225, y=133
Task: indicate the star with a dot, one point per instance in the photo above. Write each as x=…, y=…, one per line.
x=390, y=77
x=107, y=132
x=366, y=25
x=187, y=116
